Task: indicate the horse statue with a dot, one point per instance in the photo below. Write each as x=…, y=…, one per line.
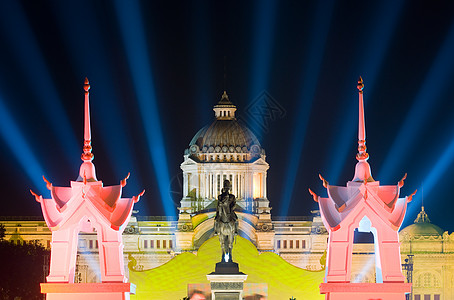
x=226, y=221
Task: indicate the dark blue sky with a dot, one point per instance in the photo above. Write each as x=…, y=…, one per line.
x=156, y=68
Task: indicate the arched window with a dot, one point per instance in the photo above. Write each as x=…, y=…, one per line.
x=427, y=279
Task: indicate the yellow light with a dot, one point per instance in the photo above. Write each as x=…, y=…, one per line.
x=257, y=185
x=170, y=281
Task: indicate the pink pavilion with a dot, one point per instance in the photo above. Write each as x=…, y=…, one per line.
x=370, y=207
x=82, y=207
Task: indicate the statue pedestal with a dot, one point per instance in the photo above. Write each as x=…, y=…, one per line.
x=365, y=291
x=227, y=282
x=88, y=291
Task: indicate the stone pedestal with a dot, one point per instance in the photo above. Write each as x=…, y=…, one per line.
x=88, y=291
x=365, y=291
x=227, y=282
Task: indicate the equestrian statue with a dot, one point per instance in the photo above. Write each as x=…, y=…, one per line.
x=226, y=221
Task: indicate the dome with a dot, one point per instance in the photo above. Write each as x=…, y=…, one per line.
x=223, y=133
x=226, y=139
x=422, y=227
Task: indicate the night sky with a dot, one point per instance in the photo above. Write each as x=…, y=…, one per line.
x=157, y=68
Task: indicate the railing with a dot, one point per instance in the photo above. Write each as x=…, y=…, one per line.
x=292, y=218
x=157, y=218
x=21, y=218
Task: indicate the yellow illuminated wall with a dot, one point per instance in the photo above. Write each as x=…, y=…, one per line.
x=284, y=280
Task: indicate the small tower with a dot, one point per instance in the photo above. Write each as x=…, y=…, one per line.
x=370, y=207
x=224, y=110
x=82, y=207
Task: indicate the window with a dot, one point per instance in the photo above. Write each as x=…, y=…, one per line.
x=96, y=244
x=417, y=297
x=426, y=297
x=158, y=244
x=436, y=297
x=303, y=244
x=278, y=244
x=297, y=244
x=90, y=244
x=151, y=244
x=427, y=281
x=164, y=244
x=285, y=244
x=291, y=245
x=170, y=244
x=145, y=244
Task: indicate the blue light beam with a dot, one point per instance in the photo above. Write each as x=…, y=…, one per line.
x=438, y=78
x=444, y=162
x=371, y=59
x=265, y=19
x=112, y=127
x=131, y=27
x=33, y=65
x=318, y=38
x=20, y=149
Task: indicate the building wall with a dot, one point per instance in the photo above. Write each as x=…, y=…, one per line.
x=151, y=241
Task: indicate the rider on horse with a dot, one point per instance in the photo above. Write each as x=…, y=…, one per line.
x=226, y=221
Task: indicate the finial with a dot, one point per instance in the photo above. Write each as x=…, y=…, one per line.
x=86, y=85
x=360, y=85
x=362, y=154
x=87, y=155
x=422, y=197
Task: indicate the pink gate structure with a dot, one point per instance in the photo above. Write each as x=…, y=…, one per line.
x=85, y=205
x=370, y=207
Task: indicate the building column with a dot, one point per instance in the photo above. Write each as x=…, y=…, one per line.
x=185, y=184
x=206, y=186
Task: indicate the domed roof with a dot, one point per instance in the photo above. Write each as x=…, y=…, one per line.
x=226, y=135
x=422, y=227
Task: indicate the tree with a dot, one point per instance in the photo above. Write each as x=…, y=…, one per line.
x=2, y=232
x=22, y=270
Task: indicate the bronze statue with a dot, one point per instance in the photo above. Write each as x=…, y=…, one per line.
x=226, y=221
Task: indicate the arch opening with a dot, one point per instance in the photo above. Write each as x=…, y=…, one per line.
x=365, y=265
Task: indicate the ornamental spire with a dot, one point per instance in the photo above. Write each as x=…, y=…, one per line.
x=87, y=155
x=87, y=171
x=362, y=169
x=362, y=154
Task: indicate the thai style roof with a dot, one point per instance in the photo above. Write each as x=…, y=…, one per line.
x=363, y=196
x=87, y=197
